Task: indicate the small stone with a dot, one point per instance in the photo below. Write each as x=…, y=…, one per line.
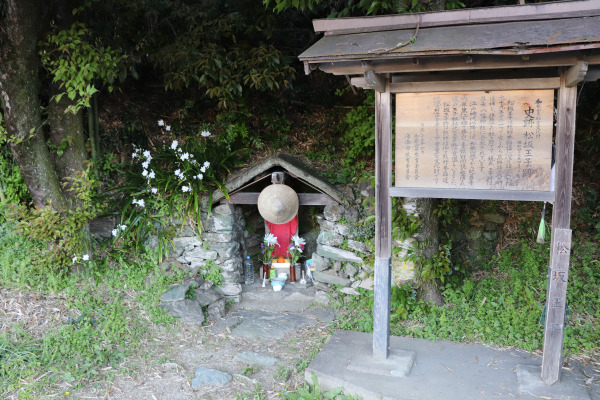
x=176, y=293
x=338, y=254
x=367, y=284
x=224, y=209
x=350, y=269
x=218, y=237
x=490, y=226
x=493, y=217
x=200, y=252
x=349, y=290
x=323, y=286
x=490, y=236
x=359, y=246
x=187, y=310
x=232, y=264
x=226, y=250
x=216, y=310
x=333, y=212
x=474, y=233
x=366, y=189
x=330, y=238
x=337, y=266
x=206, y=376
x=320, y=263
x=331, y=279
x=229, y=289
x=182, y=243
x=220, y=223
x=327, y=225
x=205, y=297
x=351, y=215
x=251, y=357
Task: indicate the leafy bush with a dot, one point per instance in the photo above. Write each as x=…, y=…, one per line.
x=64, y=233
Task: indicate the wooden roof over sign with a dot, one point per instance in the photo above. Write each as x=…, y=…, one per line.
x=547, y=34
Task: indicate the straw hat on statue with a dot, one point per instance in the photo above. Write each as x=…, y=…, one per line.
x=278, y=203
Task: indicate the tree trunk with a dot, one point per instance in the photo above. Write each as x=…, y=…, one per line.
x=429, y=239
x=66, y=129
x=19, y=89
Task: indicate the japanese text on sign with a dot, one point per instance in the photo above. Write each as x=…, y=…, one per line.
x=498, y=140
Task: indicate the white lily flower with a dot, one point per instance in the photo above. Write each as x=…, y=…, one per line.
x=199, y=177
x=270, y=239
x=161, y=122
x=141, y=203
x=168, y=128
x=75, y=259
x=151, y=175
x=174, y=144
x=205, y=134
x=115, y=232
x=85, y=257
x=185, y=156
x=147, y=154
x=154, y=190
x=298, y=241
x=206, y=164
x=203, y=169
x=145, y=172
x=185, y=189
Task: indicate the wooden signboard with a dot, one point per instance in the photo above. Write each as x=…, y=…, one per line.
x=497, y=140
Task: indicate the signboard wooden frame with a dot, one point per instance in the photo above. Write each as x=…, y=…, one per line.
x=561, y=196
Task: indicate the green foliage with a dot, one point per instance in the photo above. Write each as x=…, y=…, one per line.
x=105, y=324
x=589, y=213
x=439, y=266
x=79, y=63
x=224, y=47
x=502, y=307
x=256, y=394
x=171, y=181
x=358, y=128
x=63, y=232
x=283, y=373
x=314, y=392
x=12, y=185
x=213, y=273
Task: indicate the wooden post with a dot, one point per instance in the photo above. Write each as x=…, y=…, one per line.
x=383, y=223
x=561, y=234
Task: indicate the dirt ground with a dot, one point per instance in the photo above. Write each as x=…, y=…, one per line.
x=165, y=367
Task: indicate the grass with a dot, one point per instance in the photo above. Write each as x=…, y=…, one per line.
x=501, y=304
x=105, y=323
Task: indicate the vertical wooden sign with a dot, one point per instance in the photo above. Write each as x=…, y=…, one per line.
x=556, y=304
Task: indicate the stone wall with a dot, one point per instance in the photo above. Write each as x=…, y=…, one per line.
x=339, y=258
x=221, y=243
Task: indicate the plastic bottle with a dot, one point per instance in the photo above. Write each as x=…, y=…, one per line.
x=248, y=271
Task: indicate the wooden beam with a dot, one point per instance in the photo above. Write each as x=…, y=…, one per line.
x=459, y=17
x=513, y=195
x=375, y=81
x=576, y=73
x=462, y=86
x=458, y=63
x=383, y=224
x=561, y=219
x=305, y=199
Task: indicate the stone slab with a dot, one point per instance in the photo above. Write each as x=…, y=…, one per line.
x=294, y=297
x=256, y=358
x=206, y=376
x=529, y=378
x=398, y=364
x=443, y=370
x=262, y=324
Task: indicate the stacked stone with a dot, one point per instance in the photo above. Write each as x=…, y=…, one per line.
x=221, y=242
x=482, y=234
x=333, y=264
x=225, y=234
